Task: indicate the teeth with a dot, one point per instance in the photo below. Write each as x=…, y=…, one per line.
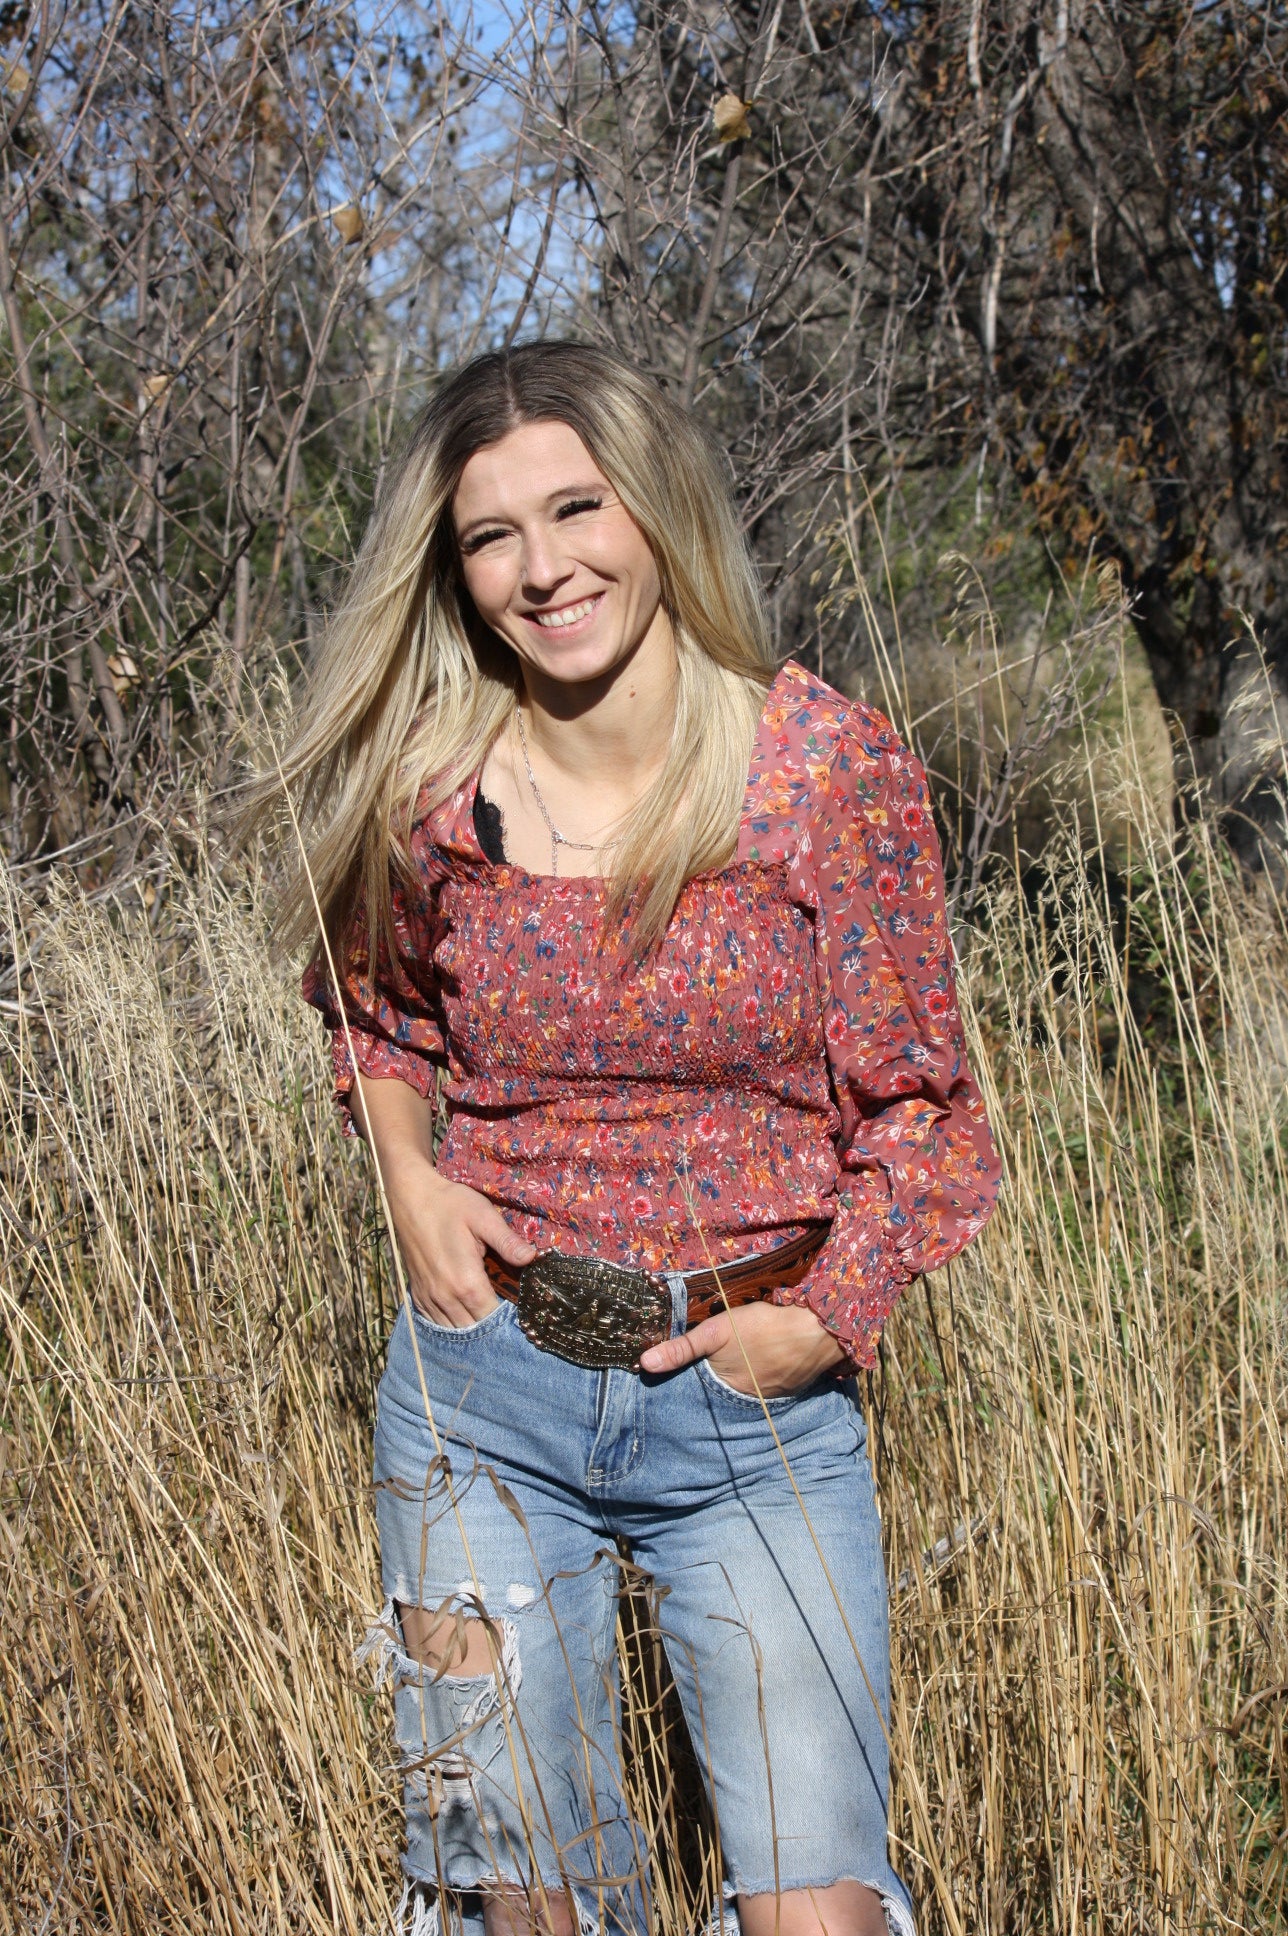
x=568, y=616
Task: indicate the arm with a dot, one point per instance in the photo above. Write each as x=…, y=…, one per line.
x=385, y=1019
x=442, y=1228
x=919, y=1171
x=387, y=1041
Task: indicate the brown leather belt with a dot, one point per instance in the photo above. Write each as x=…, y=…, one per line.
x=602, y=1315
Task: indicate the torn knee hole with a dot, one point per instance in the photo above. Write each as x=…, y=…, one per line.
x=449, y=1639
x=448, y=1782
x=461, y=1677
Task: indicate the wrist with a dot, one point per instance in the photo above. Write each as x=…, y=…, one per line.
x=827, y=1311
x=409, y=1172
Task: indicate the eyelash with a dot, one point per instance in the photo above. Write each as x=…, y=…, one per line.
x=573, y=505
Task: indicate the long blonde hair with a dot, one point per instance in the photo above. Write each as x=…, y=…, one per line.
x=409, y=688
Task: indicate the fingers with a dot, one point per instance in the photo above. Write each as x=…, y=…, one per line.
x=444, y=1235
x=674, y=1353
x=492, y=1229
x=448, y=1282
x=462, y=1285
x=454, y=1307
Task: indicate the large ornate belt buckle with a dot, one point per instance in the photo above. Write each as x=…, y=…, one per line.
x=591, y=1312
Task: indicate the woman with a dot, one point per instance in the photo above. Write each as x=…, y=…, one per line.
x=666, y=933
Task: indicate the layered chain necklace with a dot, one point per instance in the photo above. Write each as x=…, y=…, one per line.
x=557, y=840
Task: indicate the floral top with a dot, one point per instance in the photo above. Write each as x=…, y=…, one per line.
x=791, y=1051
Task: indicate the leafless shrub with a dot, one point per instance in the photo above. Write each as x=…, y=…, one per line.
x=237, y=242
x=232, y=238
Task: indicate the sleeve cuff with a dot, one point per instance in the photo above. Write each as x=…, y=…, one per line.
x=853, y=1287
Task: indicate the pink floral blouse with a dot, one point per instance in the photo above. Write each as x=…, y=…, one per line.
x=792, y=1051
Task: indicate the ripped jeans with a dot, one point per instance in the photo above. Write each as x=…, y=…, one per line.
x=539, y=1468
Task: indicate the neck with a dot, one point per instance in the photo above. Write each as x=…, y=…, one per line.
x=613, y=731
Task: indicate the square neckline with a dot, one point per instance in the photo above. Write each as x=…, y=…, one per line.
x=465, y=833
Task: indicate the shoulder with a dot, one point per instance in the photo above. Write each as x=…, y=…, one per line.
x=817, y=751
x=440, y=827
x=810, y=726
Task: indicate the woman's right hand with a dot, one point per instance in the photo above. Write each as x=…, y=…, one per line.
x=443, y=1230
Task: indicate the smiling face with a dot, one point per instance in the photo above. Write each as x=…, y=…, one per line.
x=553, y=560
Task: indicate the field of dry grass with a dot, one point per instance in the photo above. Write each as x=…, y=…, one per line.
x=1080, y=1428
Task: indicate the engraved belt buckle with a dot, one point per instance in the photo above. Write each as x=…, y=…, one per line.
x=591, y=1312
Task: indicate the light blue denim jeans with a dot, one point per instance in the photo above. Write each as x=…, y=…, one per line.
x=775, y=1625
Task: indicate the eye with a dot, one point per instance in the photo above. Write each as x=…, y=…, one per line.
x=575, y=504
x=478, y=539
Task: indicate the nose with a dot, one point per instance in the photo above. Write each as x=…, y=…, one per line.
x=545, y=564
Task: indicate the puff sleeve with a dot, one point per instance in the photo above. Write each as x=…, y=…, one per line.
x=393, y=1011
x=919, y=1173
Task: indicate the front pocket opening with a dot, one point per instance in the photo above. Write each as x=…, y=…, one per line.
x=490, y=1320
x=716, y=1382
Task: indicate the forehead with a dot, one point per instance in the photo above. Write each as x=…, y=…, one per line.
x=526, y=467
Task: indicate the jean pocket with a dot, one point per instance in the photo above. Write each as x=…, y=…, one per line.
x=494, y=1320
x=716, y=1384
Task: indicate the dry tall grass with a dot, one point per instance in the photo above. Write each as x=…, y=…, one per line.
x=1083, y=1428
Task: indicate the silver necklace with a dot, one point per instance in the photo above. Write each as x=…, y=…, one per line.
x=557, y=840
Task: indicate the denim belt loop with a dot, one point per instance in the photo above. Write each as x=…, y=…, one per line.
x=678, y=1286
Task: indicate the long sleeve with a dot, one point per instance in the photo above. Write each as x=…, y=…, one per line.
x=919, y=1174
x=394, y=1016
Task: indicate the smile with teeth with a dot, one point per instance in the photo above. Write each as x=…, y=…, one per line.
x=566, y=615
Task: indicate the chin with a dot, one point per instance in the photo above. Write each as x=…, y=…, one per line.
x=580, y=664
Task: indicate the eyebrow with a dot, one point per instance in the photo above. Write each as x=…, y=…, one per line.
x=565, y=490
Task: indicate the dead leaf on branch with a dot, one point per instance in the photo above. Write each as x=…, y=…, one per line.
x=730, y=117
x=124, y=672
x=348, y=220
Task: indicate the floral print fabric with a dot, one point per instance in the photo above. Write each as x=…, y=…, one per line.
x=792, y=1050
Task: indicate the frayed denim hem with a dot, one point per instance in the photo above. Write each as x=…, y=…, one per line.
x=723, y=1920
x=419, y=1911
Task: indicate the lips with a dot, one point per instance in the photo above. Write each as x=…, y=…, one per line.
x=565, y=618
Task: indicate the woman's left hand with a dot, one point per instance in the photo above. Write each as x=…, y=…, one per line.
x=784, y=1345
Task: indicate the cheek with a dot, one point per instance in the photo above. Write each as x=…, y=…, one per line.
x=487, y=582
x=623, y=554
x=648, y=589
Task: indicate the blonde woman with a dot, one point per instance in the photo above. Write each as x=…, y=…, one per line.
x=665, y=932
